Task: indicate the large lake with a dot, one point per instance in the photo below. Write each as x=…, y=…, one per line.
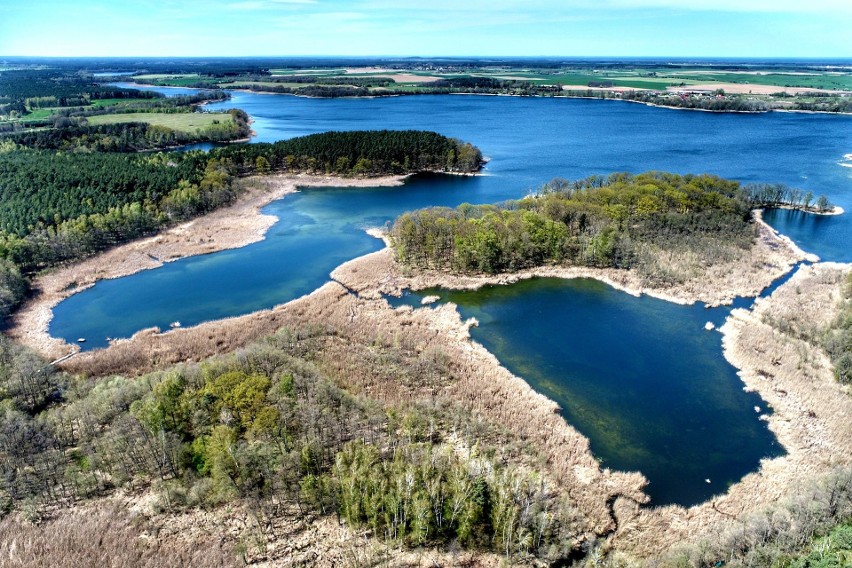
x=529, y=141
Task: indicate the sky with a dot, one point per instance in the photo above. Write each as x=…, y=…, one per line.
x=636, y=28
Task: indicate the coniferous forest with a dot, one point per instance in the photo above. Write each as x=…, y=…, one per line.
x=321, y=412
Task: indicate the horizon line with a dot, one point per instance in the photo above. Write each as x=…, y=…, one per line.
x=432, y=57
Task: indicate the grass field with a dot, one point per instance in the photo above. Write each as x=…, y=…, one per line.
x=39, y=114
x=837, y=81
x=317, y=72
x=177, y=80
x=160, y=76
x=190, y=122
x=632, y=78
x=651, y=78
x=100, y=103
x=265, y=84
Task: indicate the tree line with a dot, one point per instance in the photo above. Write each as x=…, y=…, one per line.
x=128, y=137
x=59, y=206
x=23, y=90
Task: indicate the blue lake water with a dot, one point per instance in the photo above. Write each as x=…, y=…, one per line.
x=529, y=141
x=639, y=377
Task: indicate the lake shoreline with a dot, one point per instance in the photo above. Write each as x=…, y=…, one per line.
x=812, y=438
x=234, y=226
x=772, y=256
x=241, y=224
x=353, y=304
x=580, y=97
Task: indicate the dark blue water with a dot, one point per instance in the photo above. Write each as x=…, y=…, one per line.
x=534, y=140
x=639, y=377
x=529, y=142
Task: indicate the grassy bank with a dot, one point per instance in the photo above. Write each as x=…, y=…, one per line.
x=190, y=122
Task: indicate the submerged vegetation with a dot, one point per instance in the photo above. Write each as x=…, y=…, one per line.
x=348, y=421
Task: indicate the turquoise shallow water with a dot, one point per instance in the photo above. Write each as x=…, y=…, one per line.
x=658, y=349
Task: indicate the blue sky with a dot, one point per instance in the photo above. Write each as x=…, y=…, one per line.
x=689, y=28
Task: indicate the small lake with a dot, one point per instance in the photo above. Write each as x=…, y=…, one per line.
x=652, y=345
x=640, y=377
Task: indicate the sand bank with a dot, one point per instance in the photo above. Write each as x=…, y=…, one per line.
x=234, y=226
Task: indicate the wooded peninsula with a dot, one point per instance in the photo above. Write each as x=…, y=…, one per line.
x=335, y=429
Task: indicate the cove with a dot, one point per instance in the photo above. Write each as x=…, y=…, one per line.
x=639, y=377
x=529, y=141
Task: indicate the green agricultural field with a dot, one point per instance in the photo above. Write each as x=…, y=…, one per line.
x=101, y=103
x=627, y=79
x=177, y=80
x=237, y=84
x=836, y=81
x=161, y=77
x=190, y=122
x=317, y=72
x=38, y=114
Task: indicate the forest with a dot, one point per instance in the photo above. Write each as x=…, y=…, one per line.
x=51, y=109
x=59, y=206
x=79, y=136
x=282, y=426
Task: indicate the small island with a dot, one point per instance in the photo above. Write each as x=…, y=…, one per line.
x=332, y=428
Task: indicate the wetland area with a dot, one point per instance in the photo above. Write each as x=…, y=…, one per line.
x=639, y=377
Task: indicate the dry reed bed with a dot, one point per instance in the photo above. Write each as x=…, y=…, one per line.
x=124, y=532
x=478, y=383
x=231, y=227
x=286, y=538
x=106, y=535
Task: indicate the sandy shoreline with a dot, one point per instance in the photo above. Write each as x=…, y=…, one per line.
x=241, y=224
x=234, y=226
x=809, y=420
